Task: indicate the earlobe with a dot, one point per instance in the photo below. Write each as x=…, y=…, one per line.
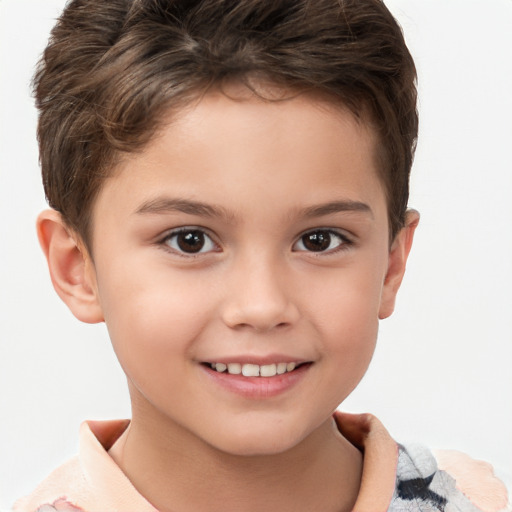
x=399, y=252
x=70, y=266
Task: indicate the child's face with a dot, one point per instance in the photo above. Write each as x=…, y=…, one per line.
x=247, y=233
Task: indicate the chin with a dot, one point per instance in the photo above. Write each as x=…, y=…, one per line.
x=262, y=442
x=257, y=448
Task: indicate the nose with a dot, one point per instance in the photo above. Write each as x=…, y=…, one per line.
x=258, y=297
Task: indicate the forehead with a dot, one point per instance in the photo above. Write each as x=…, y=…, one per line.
x=236, y=106
x=235, y=120
x=292, y=150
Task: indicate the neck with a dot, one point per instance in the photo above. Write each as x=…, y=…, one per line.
x=176, y=471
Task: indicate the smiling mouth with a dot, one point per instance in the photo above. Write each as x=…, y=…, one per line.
x=255, y=370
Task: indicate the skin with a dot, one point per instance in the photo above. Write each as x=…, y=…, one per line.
x=255, y=290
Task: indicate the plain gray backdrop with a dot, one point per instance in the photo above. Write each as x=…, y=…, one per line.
x=442, y=371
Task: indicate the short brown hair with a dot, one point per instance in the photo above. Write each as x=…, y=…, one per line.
x=111, y=69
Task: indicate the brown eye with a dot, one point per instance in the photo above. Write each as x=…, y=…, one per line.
x=320, y=241
x=190, y=241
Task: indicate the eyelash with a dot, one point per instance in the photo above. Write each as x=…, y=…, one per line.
x=344, y=242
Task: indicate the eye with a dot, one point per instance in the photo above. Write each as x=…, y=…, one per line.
x=321, y=240
x=190, y=241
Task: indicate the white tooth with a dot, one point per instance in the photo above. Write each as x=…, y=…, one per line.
x=212, y=365
x=281, y=368
x=220, y=367
x=290, y=367
x=268, y=370
x=250, y=370
x=234, y=368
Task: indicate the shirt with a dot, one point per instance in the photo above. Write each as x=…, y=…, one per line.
x=395, y=478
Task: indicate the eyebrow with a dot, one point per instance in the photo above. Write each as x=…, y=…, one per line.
x=164, y=205
x=336, y=207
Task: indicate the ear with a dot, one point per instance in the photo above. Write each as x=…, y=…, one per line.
x=398, y=254
x=71, y=267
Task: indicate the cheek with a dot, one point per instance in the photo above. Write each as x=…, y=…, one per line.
x=346, y=319
x=349, y=327
x=152, y=319
x=347, y=300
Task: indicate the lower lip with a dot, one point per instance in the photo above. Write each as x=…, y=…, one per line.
x=258, y=387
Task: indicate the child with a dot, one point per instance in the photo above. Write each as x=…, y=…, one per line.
x=229, y=191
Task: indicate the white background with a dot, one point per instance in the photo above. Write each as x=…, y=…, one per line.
x=442, y=371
